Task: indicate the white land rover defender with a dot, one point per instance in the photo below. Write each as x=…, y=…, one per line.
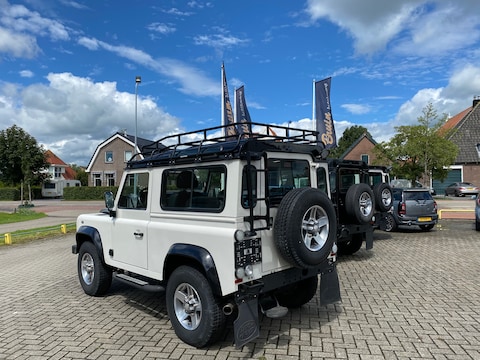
x=228, y=226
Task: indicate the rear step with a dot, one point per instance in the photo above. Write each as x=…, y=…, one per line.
x=139, y=283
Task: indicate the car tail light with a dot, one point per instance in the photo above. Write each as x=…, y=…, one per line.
x=435, y=206
x=402, y=208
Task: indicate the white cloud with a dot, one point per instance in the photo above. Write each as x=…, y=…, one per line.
x=356, y=108
x=451, y=99
x=192, y=80
x=18, y=45
x=161, y=28
x=410, y=27
x=26, y=73
x=81, y=113
x=21, y=20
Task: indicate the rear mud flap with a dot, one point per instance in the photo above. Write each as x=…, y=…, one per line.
x=369, y=239
x=246, y=326
x=330, y=288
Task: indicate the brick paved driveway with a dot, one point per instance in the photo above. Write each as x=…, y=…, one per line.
x=416, y=295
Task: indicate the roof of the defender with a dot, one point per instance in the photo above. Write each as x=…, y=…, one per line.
x=212, y=145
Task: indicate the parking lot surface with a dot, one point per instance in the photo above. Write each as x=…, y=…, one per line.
x=414, y=296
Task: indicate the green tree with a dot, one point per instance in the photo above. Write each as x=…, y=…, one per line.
x=418, y=151
x=21, y=158
x=349, y=136
x=81, y=174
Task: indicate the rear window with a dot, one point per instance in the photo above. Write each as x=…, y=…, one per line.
x=417, y=195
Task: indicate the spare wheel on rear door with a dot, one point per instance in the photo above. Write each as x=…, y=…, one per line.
x=305, y=227
x=359, y=203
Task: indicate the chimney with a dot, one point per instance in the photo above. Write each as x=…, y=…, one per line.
x=476, y=100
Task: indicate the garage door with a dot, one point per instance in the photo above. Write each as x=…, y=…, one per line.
x=454, y=175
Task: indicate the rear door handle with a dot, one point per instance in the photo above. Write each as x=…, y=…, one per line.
x=138, y=234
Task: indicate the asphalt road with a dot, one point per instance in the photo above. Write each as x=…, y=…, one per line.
x=415, y=295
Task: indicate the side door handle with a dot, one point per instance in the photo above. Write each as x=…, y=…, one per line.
x=138, y=234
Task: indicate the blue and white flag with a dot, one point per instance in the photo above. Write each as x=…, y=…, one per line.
x=227, y=115
x=323, y=111
x=244, y=123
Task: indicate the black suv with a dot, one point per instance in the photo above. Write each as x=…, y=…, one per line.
x=361, y=194
x=411, y=206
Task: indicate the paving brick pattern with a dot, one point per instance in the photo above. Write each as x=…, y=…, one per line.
x=414, y=296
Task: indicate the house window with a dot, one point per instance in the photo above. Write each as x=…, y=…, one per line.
x=365, y=158
x=108, y=156
x=97, y=179
x=110, y=179
x=128, y=155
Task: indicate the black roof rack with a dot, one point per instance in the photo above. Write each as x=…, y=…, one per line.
x=215, y=143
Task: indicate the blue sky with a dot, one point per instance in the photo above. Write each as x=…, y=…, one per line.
x=68, y=68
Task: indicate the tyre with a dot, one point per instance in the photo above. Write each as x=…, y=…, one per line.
x=305, y=227
x=359, y=203
x=427, y=227
x=350, y=246
x=388, y=223
x=297, y=294
x=95, y=277
x=195, y=314
x=477, y=225
x=383, y=197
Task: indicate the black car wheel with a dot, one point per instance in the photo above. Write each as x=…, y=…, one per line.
x=351, y=246
x=388, y=223
x=297, y=294
x=94, y=276
x=195, y=314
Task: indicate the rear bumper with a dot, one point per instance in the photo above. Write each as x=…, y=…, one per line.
x=415, y=220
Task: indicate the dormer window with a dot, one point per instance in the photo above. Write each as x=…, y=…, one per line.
x=108, y=156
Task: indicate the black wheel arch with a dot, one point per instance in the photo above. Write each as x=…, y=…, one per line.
x=196, y=257
x=89, y=233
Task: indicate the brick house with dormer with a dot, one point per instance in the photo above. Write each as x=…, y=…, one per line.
x=106, y=166
x=466, y=135
x=361, y=149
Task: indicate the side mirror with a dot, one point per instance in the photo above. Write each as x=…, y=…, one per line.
x=109, y=199
x=109, y=202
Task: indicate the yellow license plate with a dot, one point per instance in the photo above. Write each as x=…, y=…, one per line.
x=424, y=219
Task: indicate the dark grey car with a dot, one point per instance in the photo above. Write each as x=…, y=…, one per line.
x=411, y=207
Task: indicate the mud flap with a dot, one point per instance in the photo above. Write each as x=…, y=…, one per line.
x=369, y=239
x=330, y=287
x=246, y=326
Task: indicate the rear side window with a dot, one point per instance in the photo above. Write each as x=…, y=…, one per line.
x=285, y=175
x=194, y=189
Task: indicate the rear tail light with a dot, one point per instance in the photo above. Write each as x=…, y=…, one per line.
x=435, y=206
x=402, y=208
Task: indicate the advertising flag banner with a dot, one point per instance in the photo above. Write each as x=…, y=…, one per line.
x=323, y=111
x=244, y=123
x=227, y=108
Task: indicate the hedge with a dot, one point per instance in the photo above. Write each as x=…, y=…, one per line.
x=14, y=194
x=87, y=192
x=69, y=193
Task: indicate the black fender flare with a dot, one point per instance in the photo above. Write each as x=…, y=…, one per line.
x=196, y=256
x=89, y=233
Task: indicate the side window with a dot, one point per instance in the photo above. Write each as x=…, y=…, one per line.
x=284, y=175
x=194, y=189
x=322, y=179
x=134, y=194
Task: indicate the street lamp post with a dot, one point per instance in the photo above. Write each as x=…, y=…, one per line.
x=138, y=80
